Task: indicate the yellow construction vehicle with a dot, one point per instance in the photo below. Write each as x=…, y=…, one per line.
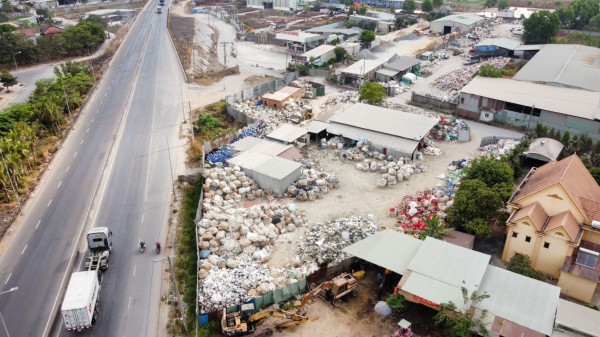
x=244, y=321
x=332, y=291
x=248, y=29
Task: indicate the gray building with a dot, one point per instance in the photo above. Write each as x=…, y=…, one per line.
x=524, y=104
x=397, y=67
x=564, y=65
x=392, y=132
x=460, y=23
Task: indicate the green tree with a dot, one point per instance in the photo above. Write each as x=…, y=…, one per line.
x=495, y=174
x=594, y=23
x=578, y=14
x=427, y=6
x=341, y=54
x=395, y=302
x=463, y=323
x=438, y=3
x=488, y=70
x=521, y=264
x=541, y=27
x=490, y=3
x=362, y=10
x=503, y=4
x=97, y=19
x=476, y=207
x=436, y=228
x=595, y=172
x=366, y=37
x=399, y=22
x=8, y=80
x=372, y=92
x=5, y=28
x=316, y=6
x=409, y=6
x=45, y=13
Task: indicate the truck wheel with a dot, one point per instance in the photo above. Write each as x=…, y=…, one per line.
x=355, y=292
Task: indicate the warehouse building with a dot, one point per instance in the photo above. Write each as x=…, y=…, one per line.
x=499, y=46
x=267, y=147
x=269, y=172
x=564, y=65
x=524, y=104
x=392, y=132
x=288, y=134
x=300, y=42
x=360, y=71
x=456, y=23
x=576, y=320
x=397, y=67
x=317, y=56
x=337, y=30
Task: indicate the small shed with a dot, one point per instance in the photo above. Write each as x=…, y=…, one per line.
x=288, y=133
x=322, y=53
x=464, y=240
x=244, y=144
x=544, y=149
x=269, y=172
x=279, y=97
x=316, y=130
x=426, y=56
x=363, y=70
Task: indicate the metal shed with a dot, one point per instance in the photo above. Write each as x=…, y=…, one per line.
x=544, y=149
x=288, y=133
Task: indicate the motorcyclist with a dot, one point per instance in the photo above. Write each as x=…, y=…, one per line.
x=142, y=244
x=158, y=246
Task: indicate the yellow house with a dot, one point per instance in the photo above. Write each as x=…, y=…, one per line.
x=555, y=220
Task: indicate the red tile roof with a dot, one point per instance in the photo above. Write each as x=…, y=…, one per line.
x=28, y=32
x=574, y=178
x=535, y=212
x=567, y=221
x=52, y=30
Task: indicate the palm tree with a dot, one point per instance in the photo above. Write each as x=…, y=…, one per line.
x=436, y=228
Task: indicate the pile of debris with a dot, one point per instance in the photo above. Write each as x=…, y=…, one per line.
x=313, y=183
x=345, y=96
x=395, y=88
x=324, y=242
x=227, y=186
x=305, y=86
x=455, y=80
x=291, y=112
x=504, y=146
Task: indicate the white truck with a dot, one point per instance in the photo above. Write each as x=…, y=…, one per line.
x=158, y=9
x=80, y=305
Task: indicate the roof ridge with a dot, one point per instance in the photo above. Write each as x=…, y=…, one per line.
x=567, y=168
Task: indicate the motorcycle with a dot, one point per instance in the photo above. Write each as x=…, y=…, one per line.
x=158, y=248
x=142, y=246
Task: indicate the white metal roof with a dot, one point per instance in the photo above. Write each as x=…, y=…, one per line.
x=316, y=126
x=298, y=36
x=501, y=42
x=287, y=133
x=449, y=264
x=578, y=318
x=282, y=93
x=573, y=102
x=388, y=249
x=530, y=47
x=570, y=65
x=277, y=167
x=520, y=299
x=386, y=121
x=462, y=18
x=79, y=290
x=270, y=148
x=433, y=290
x=387, y=72
x=245, y=143
x=318, y=51
x=546, y=149
x=362, y=67
x=404, y=145
x=249, y=159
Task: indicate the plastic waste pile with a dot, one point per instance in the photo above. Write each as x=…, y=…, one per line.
x=305, y=86
x=397, y=87
x=313, y=183
x=219, y=155
x=504, y=146
x=345, y=96
x=455, y=80
x=291, y=112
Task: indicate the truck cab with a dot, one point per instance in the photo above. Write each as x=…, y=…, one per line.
x=99, y=239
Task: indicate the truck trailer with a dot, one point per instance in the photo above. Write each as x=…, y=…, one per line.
x=80, y=306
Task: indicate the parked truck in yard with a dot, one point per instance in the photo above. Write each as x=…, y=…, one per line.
x=80, y=306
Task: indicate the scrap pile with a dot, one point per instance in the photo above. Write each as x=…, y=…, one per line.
x=397, y=87
x=291, y=112
x=305, y=86
x=346, y=96
x=324, y=242
x=313, y=183
x=227, y=186
x=503, y=146
x=455, y=80
x=221, y=155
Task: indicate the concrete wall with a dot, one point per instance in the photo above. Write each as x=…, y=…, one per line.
x=518, y=245
x=279, y=104
x=550, y=260
x=577, y=287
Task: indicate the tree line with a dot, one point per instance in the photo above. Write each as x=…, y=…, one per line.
x=29, y=131
x=81, y=39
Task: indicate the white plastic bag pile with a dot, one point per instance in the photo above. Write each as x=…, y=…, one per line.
x=314, y=182
x=504, y=146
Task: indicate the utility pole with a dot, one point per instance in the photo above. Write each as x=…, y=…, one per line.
x=179, y=299
x=225, y=53
x=191, y=120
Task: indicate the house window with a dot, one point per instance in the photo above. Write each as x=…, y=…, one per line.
x=462, y=100
x=546, y=244
x=515, y=234
x=587, y=258
x=528, y=239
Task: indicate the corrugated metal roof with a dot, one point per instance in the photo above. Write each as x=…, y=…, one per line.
x=245, y=143
x=298, y=36
x=248, y=159
x=462, y=18
x=277, y=168
x=282, y=93
x=386, y=121
x=270, y=148
x=501, y=42
x=316, y=126
x=362, y=67
x=318, y=51
x=387, y=72
x=287, y=133
x=578, y=317
x=565, y=64
x=434, y=290
x=530, y=47
x=388, y=249
x=546, y=148
x=450, y=264
x=406, y=146
x=520, y=299
x=573, y=102
x=401, y=63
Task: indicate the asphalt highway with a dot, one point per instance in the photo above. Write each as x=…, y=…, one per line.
x=114, y=170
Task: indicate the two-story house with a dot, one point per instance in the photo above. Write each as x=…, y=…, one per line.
x=555, y=220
